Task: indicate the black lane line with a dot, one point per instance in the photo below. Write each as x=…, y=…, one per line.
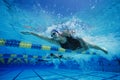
x=17, y=74
x=63, y=75
x=38, y=75
x=111, y=77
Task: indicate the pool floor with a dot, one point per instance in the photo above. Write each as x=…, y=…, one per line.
x=56, y=74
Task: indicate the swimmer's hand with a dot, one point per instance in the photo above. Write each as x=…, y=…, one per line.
x=26, y=33
x=105, y=51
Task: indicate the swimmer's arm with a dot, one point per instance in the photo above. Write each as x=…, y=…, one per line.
x=87, y=45
x=97, y=47
x=41, y=37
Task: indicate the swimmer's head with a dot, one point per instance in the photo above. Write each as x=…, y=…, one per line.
x=55, y=34
x=51, y=54
x=61, y=56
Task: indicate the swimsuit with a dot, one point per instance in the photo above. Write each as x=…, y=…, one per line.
x=71, y=43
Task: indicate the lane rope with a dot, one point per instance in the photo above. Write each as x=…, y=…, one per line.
x=22, y=44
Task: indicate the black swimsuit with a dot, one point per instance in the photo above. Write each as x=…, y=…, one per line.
x=71, y=43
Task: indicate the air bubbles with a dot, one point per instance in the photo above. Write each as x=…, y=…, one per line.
x=59, y=15
x=92, y=7
x=38, y=4
x=53, y=12
x=54, y=5
x=71, y=13
x=43, y=11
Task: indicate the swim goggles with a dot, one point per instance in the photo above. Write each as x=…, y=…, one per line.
x=54, y=33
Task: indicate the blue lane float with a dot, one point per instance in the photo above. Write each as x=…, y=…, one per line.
x=21, y=44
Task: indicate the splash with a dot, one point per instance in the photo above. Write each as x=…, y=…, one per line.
x=73, y=24
x=87, y=32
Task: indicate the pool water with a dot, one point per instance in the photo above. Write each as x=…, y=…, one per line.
x=56, y=74
x=27, y=57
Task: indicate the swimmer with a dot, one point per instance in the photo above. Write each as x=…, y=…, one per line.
x=66, y=41
x=59, y=56
x=56, y=56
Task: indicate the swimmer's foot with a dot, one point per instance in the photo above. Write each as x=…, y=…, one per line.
x=105, y=51
x=26, y=33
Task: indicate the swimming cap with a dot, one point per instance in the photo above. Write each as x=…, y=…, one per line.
x=53, y=32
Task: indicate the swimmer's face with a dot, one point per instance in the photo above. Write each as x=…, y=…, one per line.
x=55, y=36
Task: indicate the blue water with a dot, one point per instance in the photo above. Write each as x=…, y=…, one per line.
x=96, y=21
